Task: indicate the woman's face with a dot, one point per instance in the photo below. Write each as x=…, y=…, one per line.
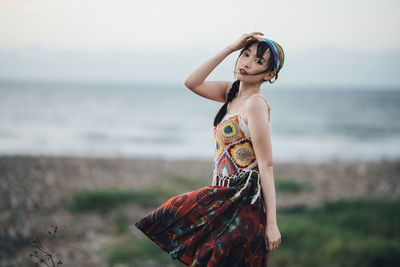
x=249, y=63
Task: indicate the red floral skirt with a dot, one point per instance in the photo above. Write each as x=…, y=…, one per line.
x=212, y=226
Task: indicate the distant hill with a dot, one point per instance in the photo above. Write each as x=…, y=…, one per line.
x=328, y=66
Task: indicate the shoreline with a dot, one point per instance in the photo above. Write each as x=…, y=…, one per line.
x=307, y=161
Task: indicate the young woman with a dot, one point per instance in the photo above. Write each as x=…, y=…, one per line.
x=233, y=221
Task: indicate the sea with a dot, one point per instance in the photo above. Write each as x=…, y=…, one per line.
x=316, y=124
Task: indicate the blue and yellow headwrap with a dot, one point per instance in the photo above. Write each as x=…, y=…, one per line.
x=277, y=52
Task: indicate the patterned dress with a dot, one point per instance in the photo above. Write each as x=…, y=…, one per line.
x=222, y=224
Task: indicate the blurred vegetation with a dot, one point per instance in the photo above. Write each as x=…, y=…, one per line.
x=152, y=196
x=140, y=251
x=339, y=233
x=290, y=186
x=148, y=197
x=121, y=221
x=110, y=198
x=344, y=233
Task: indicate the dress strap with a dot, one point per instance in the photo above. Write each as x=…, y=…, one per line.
x=247, y=102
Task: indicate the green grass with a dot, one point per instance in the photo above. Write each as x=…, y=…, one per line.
x=149, y=197
x=369, y=217
x=152, y=196
x=105, y=199
x=121, y=222
x=138, y=252
x=290, y=186
x=340, y=233
x=186, y=182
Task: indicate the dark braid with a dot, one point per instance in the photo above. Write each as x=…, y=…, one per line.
x=231, y=95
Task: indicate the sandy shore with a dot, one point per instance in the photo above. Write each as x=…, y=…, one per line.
x=33, y=191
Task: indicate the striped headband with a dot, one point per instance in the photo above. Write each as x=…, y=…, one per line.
x=277, y=51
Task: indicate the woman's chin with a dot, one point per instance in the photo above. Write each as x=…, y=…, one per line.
x=246, y=80
x=241, y=77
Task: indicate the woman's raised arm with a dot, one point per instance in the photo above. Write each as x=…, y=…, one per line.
x=214, y=90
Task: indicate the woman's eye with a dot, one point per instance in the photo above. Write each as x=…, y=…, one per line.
x=259, y=61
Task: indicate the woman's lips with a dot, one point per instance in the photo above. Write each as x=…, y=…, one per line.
x=242, y=71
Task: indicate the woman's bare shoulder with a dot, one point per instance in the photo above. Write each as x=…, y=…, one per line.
x=257, y=107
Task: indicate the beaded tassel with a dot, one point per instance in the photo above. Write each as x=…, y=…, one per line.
x=214, y=182
x=247, y=182
x=223, y=180
x=258, y=190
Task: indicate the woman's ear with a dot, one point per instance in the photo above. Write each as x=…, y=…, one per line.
x=269, y=75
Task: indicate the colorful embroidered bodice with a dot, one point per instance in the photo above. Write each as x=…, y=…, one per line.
x=234, y=153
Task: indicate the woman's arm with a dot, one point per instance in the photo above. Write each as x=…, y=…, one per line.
x=214, y=90
x=257, y=117
x=259, y=128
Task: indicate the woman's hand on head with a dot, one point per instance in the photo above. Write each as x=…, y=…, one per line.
x=244, y=39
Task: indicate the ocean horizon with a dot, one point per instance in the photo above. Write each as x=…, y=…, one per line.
x=170, y=121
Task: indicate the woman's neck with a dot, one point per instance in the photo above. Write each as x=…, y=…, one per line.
x=247, y=90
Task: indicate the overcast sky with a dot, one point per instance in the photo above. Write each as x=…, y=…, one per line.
x=364, y=27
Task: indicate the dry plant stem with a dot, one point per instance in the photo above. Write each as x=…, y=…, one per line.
x=36, y=243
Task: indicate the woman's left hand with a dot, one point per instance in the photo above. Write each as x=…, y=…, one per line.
x=272, y=236
x=244, y=39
